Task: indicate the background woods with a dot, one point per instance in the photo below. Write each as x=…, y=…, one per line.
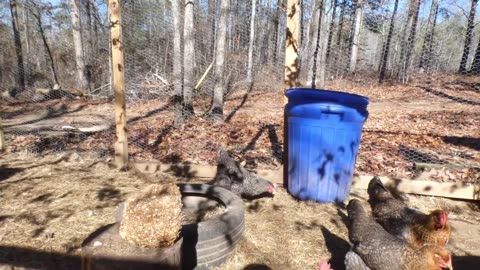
x=66, y=42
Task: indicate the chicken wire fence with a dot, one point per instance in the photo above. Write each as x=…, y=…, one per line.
x=418, y=61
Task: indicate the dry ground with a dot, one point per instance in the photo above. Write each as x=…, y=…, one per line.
x=50, y=205
x=431, y=120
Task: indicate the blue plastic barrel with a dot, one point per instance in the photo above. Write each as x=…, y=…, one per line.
x=324, y=131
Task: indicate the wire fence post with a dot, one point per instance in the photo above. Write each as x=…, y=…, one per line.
x=121, y=145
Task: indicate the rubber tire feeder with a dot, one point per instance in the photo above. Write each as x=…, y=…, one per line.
x=208, y=243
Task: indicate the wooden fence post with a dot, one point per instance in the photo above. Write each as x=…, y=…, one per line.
x=3, y=145
x=121, y=145
x=292, y=69
x=292, y=65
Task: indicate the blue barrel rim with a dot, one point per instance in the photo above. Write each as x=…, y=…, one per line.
x=301, y=90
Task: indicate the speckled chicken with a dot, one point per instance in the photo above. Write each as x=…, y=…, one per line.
x=234, y=177
x=397, y=218
x=379, y=250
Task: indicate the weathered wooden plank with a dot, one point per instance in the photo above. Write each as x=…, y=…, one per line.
x=420, y=187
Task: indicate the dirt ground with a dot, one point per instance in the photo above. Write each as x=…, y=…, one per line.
x=431, y=120
x=50, y=205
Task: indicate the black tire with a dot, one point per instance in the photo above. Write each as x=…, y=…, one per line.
x=116, y=253
x=208, y=243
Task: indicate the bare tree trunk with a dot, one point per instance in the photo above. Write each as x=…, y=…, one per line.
x=217, y=105
x=323, y=51
x=189, y=58
x=177, y=63
x=267, y=30
x=38, y=17
x=356, y=35
x=89, y=52
x=468, y=37
x=95, y=37
x=211, y=18
x=408, y=45
x=388, y=42
x=250, y=46
x=425, y=57
x=20, y=75
x=276, y=20
x=28, y=44
x=233, y=26
x=3, y=144
x=338, y=43
x=82, y=82
x=315, y=48
x=476, y=61
x=27, y=30
x=302, y=11
x=331, y=28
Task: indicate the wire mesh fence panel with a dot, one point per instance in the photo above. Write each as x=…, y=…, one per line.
x=55, y=79
x=205, y=74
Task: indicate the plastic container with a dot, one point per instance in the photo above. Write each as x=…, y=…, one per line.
x=324, y=131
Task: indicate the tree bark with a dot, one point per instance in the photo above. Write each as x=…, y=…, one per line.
x=388, y=42
x=356, y=35
x=212, y=19
x=82, y=82
x=177, y=64
x=188, y=59
x=276, y=20
x=426, y=55
x=476, y=61
x=20, y=75
x=90, y=51
x=315, y=50
x=250, y=46
x=331, y=28
x=217, y=105
x=468, y=38
x=302, y=11
x=38, y=17
x=27, y=31
x=338, y=43
x=409, y=40
x=3, y=144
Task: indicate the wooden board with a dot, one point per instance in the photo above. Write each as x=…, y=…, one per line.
x=420, y=187
x=424, y=187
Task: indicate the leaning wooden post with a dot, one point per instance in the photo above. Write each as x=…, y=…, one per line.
x=3, y=145
x=121, y=145
x=292, y=70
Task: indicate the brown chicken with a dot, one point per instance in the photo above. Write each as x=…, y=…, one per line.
x=379, y=250
x=397, y=218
